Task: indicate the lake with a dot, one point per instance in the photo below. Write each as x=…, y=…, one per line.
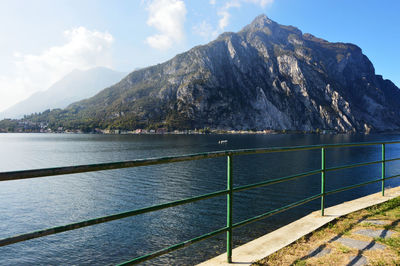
x=34, y=204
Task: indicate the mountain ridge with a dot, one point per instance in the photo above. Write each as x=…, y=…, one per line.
x=75, y=86
x=266, y=76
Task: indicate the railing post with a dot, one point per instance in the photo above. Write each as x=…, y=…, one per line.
x=229, y=201
x=322, y=181
x=383, y=169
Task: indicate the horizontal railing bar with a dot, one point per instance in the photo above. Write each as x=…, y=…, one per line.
x=270, y=213
x=359, y=185
x=73, y=226
x=308, y=147
x=301, y=202
x=275, y=181
x=341, y=145
x=16, y=175
x=352, y=186
x=392, y=160
x=351, y=166
x=174, y=247
x=394, y=176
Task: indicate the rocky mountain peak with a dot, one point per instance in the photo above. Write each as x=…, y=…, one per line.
x=267, y=76
x=275, y=31
x=261, y=21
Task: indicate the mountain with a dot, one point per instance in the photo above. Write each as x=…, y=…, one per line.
x=75, y=86
x=266, y=76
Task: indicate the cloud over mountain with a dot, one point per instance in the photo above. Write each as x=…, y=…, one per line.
x=83, y=49
x=168, y=17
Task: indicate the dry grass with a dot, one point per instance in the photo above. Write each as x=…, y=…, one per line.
x=298, y=252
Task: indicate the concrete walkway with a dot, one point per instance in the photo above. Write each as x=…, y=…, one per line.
x=272, y=242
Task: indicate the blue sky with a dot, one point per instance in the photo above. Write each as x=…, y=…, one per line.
x=43, y=40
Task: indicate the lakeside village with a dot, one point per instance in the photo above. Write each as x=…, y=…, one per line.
x=33, y=127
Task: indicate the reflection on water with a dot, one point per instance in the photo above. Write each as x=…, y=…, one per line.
x=44, y=202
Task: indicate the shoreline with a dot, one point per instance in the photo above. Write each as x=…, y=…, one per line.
x=241, y=132
x=211, y=132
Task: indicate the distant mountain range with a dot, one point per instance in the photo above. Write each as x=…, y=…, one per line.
x=266, y=76
x=75, y=86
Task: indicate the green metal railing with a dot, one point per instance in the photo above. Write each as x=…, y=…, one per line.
x=229, y=191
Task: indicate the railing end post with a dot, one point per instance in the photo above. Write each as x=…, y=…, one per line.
x=383, y=169
x=229, y=203
x=323, y=166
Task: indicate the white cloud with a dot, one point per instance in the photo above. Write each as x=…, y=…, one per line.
x=205, y=30
x=232, y=3
x=83, y=49
x=262, y=3
x=168, y=17
x=224, y=19
x=224, y=14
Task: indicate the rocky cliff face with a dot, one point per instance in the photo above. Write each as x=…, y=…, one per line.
x=267, y=76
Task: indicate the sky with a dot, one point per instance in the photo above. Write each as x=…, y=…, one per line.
x=43, y=40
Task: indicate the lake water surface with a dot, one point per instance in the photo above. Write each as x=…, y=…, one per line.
x=33, y=204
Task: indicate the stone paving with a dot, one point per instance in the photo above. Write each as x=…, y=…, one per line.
x=355, y=244
x=375, y=222
x=360, y=245
x=375, y=233
x=319, y=252
x=357, y=261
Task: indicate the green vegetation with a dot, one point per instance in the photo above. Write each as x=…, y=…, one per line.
x=393, y=242
x=8, y=125
x=343, y=249
x=147, y=113
x=300, y=263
